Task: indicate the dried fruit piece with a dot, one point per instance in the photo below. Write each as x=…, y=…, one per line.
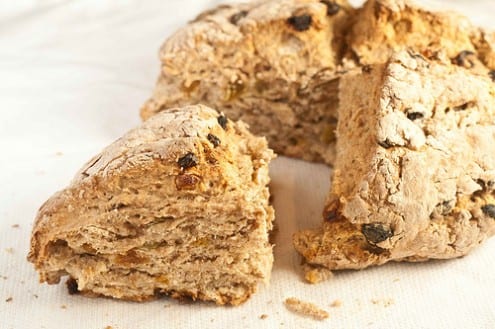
x=186, y=182
x=72, y=286
x=213, y=140
x=464, y=59
x=464, y=106
x=187, y=161
x=332, y=7
x=385, y=144
x=330, y=215
x=222, y=121
x=489, y=210
x=366, y=68
x=376, y=232
x=237, y=17
x=331, y=211
x=300, y=23
x=234, y=89
x=415, y=115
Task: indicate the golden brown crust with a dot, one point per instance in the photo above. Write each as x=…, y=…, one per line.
x=276, y=64
x=177, y=206
x=415, y=172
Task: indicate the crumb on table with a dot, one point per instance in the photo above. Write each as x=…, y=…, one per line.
x=305, y=308
x=336, y=303
x=316, y=274
x=263, y=316
x=385, y=302
x=8, y=300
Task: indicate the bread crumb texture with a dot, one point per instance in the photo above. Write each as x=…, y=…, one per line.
x=306, y=309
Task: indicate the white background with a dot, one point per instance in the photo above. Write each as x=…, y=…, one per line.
x=73, y=75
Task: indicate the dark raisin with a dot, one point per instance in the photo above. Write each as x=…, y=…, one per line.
x=331, y=211
x=491, y=74
x=447, y=206
x=376, y=232
x=463, y=59
x=187, y=161
x=213, y=140
x=331, y=215
x=462, y=107
x=385, y=144
x=415, y=115
x=300, y=23
x=332, y=7
x=72, y=286
x=415, y=55
x=222, y=121
x=237, y=17
x=366, y=68
x=489, y=210
x=481, y=183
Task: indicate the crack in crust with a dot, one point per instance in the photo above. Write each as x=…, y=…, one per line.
x=252, y=63
x=429, y=193
x=166, y=209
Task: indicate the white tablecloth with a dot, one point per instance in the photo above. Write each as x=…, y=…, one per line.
x=72, y=77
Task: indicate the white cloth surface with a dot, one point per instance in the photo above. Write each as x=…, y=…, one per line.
x=73, y=75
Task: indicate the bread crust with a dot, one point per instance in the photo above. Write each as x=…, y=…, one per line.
x=276, y=64
x=177, y=206
x=415, y=175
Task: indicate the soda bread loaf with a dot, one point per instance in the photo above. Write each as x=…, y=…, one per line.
x=177, y=206
x=276, y=64
x=270, y=63
x=414, y=177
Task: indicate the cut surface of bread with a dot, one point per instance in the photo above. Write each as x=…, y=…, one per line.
x=415, y=172
x=177, y=206
x=276, y=64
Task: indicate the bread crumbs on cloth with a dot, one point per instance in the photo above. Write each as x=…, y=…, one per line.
x=305, y=308
x=386, y=302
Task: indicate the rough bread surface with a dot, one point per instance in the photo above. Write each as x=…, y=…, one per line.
x=177, y=206
x=276, y=64
x=415, y=172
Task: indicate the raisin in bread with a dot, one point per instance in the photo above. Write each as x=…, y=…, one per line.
x=415, y=172
x=177, y=206
x=276, y=64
